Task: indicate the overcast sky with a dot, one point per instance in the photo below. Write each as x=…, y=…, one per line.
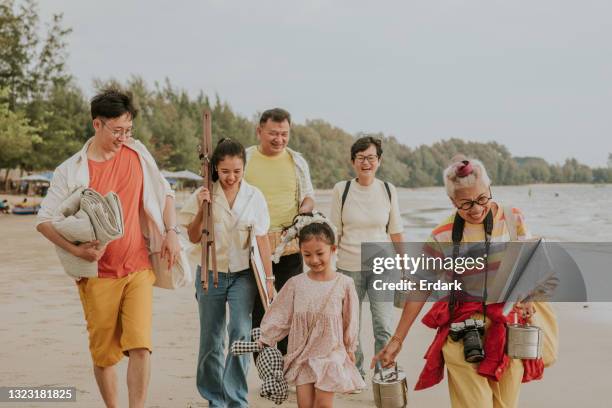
x=532, y=75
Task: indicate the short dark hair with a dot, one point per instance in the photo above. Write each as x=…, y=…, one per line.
x=112, y=103
x=226, y=147
x=276, y=115
x=363, y=143
x=320, y=230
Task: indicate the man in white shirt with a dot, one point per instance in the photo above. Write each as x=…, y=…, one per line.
x=118, y=303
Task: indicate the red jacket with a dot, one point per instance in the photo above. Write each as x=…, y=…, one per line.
x=495, y=362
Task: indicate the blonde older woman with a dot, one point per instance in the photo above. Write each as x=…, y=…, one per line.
x=493, y=381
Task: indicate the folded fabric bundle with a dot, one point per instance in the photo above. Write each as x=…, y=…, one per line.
x=89, y=216
x=269, y=366
x=105, y=214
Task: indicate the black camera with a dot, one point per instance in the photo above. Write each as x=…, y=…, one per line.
x=471, y=331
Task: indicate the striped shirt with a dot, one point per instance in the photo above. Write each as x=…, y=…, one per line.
x=440, y=241
x=475, y=232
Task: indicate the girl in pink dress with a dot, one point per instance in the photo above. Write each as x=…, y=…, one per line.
x=318, y=309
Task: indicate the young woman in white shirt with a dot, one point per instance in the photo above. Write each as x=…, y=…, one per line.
x=238, y=210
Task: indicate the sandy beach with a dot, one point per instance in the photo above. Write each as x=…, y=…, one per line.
x=44, y=340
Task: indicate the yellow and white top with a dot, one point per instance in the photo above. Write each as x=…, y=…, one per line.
x=276, y=177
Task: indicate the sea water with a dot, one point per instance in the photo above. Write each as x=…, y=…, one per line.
x=558, y=212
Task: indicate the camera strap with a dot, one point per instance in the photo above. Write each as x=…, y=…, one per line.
x=457, y=236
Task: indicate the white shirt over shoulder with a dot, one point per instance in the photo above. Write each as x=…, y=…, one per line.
x=74, y=173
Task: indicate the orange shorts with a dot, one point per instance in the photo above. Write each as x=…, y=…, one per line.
x=119, y=314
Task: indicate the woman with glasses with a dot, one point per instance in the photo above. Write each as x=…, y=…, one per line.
x=365, y=209
x=490, y=379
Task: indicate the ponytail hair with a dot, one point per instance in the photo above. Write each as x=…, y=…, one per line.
x=317, y=230
x=226, y=147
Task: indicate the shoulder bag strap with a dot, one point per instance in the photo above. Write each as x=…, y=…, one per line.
x=345, y=194
x=390, y=205
x=457, y=236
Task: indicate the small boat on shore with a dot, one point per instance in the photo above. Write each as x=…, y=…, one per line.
x=29, y=210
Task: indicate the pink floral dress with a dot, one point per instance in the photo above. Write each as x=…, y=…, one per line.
x=322, y=358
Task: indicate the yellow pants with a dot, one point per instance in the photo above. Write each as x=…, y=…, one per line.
x=119, y=314
x=468, y=389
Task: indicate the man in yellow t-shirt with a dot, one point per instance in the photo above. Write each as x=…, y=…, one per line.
x=283, y=177
x=276, y=178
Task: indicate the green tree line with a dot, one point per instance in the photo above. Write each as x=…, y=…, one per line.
x=44, y=118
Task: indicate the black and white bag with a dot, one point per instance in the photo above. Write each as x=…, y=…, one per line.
x=269, y=367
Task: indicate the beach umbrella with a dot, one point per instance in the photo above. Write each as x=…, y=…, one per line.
x=181, y=175
x=38, y=177
x=168, y=174
x=187, y=175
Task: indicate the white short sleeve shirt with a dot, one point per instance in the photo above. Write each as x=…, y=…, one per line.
x=232, y=225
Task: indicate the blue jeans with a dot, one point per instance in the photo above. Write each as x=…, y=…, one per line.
x=223, y=381
x=381, y=313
